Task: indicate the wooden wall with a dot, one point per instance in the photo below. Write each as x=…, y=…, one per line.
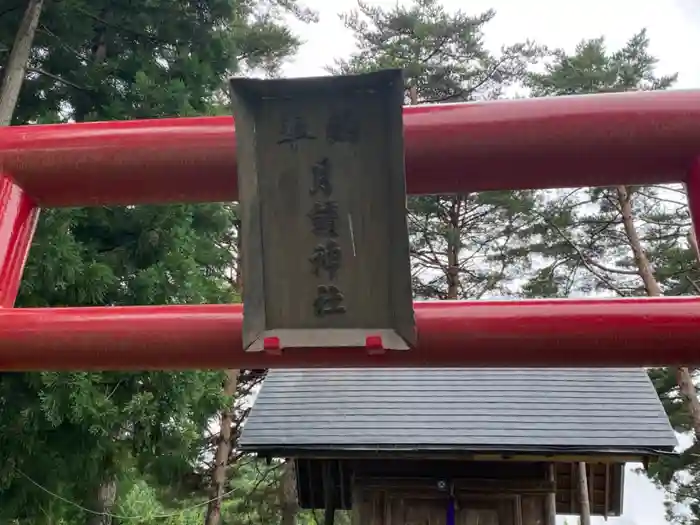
x=395, y=506
x=491, y=492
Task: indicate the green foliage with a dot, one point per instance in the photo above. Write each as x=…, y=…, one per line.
x=580, y=245
x=593, y=69
x=142, y=500
x=75, y=433
x=257, y=497
x=130, y=255
x=457, y=240
x=102, y=60
x=678, y=475
x=441, y=52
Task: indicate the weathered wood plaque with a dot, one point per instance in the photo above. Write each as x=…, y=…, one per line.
x=321, y=180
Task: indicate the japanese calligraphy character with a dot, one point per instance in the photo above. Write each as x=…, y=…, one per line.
x=329, y=300
x=328, y=257
x=324, y=216
x=343, y=127
x=321, y=172
x=293, y=130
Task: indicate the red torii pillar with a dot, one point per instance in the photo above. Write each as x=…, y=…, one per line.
x=594, y=140
x=18, y=217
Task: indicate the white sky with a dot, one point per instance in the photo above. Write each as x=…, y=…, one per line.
x=673, y=27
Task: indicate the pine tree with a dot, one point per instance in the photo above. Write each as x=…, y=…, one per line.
x=457, y=240
x=624, y=240
x=580, y=240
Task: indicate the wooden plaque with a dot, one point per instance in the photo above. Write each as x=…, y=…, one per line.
x=321, y=180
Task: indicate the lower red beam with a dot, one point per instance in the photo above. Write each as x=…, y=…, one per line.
x=620, y=332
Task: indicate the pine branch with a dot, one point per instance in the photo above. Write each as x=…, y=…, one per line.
x=57, y=78
x=600, y=266
x=607, y=282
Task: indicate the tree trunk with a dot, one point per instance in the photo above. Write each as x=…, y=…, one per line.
x=692, y=236
x=106, y=497
x=584, y=502
x=225, y=444
x=413, y=95
x=223, y=450
x=684, y=377
x=84, y=99
x=453, y=249
x=643, y=266
x=288, y=495
x=693, y=241
x=16, y=67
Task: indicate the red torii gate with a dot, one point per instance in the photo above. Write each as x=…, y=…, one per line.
x=593, y=140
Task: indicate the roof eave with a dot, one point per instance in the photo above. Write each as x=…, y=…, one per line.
x=613, y=454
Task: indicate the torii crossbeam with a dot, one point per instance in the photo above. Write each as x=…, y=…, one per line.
x=592, y=140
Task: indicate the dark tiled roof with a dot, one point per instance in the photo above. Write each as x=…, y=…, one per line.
x=582, y=409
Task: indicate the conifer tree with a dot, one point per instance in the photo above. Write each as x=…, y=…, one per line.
x=87, y=437
x=456, y=240
x=623, y=241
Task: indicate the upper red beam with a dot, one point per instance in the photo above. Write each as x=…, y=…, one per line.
x=592, y=140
